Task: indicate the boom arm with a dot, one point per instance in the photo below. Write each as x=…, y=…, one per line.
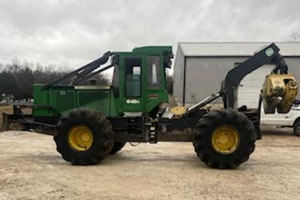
x=287, y=87
x=268, y=55
x=82, y=71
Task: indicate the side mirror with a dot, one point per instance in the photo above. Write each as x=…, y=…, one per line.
x=168, y=64
x=167, y=60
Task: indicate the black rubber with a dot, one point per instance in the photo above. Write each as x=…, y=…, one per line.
x=203, y=136
x=297, y=128
x=254, y=117
x=117, y=147
x=103, y=137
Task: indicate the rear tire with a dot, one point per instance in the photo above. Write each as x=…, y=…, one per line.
x=297, y=128
x=84, y=137
x=117, y=147
x=221, y=129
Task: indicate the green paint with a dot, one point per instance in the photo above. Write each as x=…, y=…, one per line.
x=132, y=92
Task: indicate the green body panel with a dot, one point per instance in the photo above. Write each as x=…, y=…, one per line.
x=57, y=100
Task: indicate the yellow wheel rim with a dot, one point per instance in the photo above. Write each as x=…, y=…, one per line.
x=80, y=138
x=225, y=139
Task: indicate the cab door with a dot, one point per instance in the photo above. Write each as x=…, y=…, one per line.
x=156, y=82
x=133, y=93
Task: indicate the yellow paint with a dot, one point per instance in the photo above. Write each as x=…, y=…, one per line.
x=225, y=139
x=279, y=92
x=178, y=110
x=80, y=137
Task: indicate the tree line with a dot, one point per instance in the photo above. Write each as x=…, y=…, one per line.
x=17, y=79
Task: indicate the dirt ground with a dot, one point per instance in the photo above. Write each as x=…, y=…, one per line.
x=30, y=168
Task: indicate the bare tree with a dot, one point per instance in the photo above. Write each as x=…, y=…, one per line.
x=295, y=36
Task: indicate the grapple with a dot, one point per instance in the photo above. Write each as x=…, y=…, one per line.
x=279, y=93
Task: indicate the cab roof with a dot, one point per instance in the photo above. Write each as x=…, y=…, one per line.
x=149, y=50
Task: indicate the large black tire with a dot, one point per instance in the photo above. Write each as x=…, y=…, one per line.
x=117, y=147
x=101, y=144
x=297, y=128
x=203, y=142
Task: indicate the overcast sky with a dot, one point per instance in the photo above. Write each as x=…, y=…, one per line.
x=71, y=33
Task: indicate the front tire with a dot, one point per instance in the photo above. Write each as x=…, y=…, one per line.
x=84, y=137
x=224, y=139
x=297, y=128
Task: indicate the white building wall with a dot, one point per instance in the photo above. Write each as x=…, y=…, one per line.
x=205, y=74
x=294, y=68
x=251, y=85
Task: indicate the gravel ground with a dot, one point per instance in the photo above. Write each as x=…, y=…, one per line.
x=30, y=168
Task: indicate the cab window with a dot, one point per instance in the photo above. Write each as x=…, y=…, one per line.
x=154, y=79
x=133, y=77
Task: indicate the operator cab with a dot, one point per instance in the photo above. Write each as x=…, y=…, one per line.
x=139, y=79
